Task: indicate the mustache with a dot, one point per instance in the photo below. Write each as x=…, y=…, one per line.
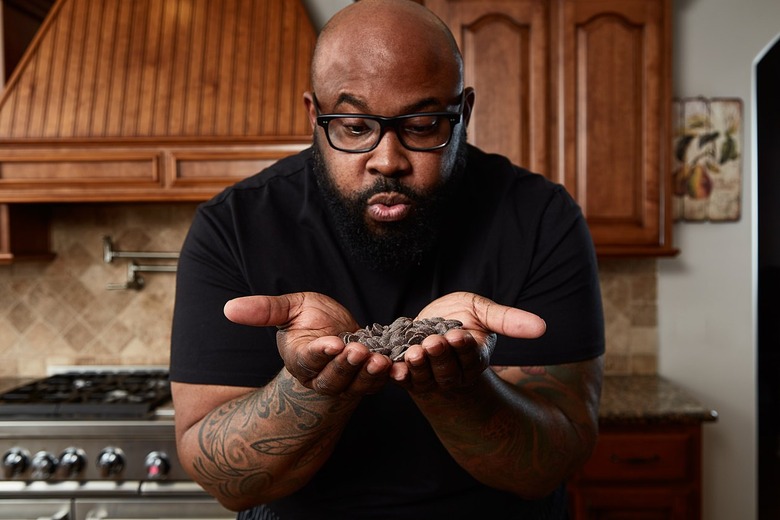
x=389, y=184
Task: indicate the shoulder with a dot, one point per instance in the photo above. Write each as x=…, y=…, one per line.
x=495, y=169
x=496, y=179
x=288, y=174
x=277, y=196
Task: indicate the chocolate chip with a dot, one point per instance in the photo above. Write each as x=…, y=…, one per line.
x=393, y=340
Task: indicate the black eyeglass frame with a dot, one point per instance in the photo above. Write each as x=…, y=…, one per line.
x=454, y=118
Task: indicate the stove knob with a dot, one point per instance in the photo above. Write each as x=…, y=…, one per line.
x=111, y=462
x=157, y=465
x=15, y=462
x=72, y=462
x=43, y=465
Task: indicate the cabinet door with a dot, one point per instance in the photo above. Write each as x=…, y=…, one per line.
x=612, y=70
x=637, y=504
x=640, y=471
x=505, y=46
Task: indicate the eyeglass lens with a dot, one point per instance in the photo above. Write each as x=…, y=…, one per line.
x=420, y=132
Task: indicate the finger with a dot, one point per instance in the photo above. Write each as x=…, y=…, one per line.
x=307, y=364
x=262, y=311
x=399, y=372
x=473, y=353
x=418, y=374
x=443, y=361
x=372, y=377
x=507, y=321
x=341, y=373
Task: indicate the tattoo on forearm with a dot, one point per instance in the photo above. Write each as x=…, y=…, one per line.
x=536, y=442
x=236, y=449
x=560, y=386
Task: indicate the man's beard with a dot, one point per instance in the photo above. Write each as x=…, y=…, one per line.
x=397, y=244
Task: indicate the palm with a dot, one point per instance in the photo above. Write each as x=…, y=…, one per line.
x=460, y=356
x=314, y=315
x=482, y=315
x=308, y=326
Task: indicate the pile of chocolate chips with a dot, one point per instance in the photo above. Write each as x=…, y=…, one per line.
x=393, y=340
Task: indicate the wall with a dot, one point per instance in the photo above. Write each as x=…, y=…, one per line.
x=61, y=313
x=706, y=295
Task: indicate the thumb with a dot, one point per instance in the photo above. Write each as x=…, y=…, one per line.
x=262, y=311
x=508, y=321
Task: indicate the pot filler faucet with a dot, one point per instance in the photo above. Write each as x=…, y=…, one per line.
x=134, y=280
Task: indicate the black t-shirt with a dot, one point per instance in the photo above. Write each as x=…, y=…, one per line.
x=511, y=236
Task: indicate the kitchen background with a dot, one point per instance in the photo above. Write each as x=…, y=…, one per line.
x=691, y=318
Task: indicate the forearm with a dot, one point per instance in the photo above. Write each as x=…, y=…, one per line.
x=264, y=445
x=525, y=437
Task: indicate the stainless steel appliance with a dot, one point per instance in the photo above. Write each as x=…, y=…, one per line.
x=95, y=443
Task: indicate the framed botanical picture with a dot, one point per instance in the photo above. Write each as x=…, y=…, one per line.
x=707, y=168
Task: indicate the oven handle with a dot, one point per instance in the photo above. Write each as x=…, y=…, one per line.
x=155, y=507
x=98, y=516
x=61, y=515
x=172, y=489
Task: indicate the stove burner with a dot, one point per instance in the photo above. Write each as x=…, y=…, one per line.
x=127, y=394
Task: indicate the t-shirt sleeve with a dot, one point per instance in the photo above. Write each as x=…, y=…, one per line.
x=206, y=347
x=562, y=286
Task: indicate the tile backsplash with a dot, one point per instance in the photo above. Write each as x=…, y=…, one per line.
x=61, y=312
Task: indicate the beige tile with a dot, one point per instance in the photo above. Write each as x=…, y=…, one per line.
x=7, y=294
x=32, y=366
x=9, y=336
x=616, y=364
x=79, y=336
x=114, y=339
x=644, y=341
x=644, y=287
x=616, y=331
x=643, y=364
x=643, y=314
x=21, y=316
x=9, y=366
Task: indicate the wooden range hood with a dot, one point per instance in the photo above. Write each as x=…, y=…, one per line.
x=151, y=100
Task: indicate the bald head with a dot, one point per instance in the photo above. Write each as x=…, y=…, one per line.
x=386, y=41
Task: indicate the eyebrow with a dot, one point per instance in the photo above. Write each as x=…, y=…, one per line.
x=359, y=104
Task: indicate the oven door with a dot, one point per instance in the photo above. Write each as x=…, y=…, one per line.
x=21, y=509
x=151, y=508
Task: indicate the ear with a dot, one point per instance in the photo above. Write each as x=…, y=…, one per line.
x=468, y=104
x=311, y=109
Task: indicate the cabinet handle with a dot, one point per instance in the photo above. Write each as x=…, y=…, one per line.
x=634, y=461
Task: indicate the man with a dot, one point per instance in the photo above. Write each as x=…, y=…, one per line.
x=389, y=214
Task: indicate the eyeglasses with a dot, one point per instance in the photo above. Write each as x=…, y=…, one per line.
x=360, y=133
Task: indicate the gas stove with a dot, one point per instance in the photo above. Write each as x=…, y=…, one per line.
x=91, y=440
x=89, y=394
x=90, y=425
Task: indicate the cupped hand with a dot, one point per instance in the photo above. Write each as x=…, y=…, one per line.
x=457, y=358
x=308, y=326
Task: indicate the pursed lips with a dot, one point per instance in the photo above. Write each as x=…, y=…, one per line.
x=389, y=207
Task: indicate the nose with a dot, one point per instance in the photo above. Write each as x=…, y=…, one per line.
x=389, y=158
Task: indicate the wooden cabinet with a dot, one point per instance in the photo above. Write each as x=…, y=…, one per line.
x=647, y=472
x=505, y=46
x=614, y=75
x=147, y=101
x=154, y=101
x=578, y=90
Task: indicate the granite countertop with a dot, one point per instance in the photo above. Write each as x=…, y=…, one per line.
x=634, y=399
